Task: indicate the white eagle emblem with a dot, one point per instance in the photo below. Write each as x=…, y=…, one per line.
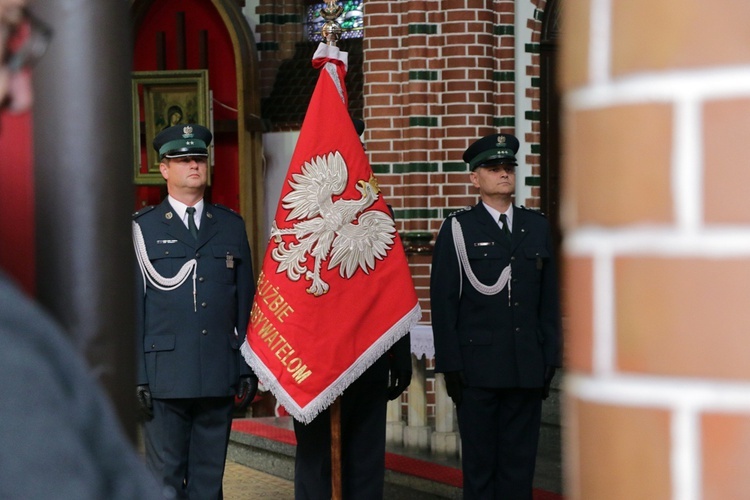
x=339, y=229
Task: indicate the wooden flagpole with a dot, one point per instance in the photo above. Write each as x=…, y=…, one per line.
x=336, y=493
x=331, y=31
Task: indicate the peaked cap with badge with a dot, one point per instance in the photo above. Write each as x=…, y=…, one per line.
x=183, y=140
x=494, y=149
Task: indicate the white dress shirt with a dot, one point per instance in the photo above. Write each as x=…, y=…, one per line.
x=180, y=210
x=496, y=215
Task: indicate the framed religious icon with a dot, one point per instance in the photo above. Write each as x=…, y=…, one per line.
x=162, y=99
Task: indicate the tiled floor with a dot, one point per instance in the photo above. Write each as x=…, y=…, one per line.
x=244, y=483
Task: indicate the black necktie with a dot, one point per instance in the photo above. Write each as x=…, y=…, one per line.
x=191, y=222
x=506, y=230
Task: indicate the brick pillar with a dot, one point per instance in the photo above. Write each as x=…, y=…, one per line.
x=657, y=249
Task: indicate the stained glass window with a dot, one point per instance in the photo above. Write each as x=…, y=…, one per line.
x=351, y=20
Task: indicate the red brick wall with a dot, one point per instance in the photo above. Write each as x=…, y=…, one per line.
x=656, y=224
x=431, y=87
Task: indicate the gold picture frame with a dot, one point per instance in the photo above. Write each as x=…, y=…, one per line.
x=162, y=99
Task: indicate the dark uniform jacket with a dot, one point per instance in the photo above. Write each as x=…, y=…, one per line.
x=499, y=340
x=187, y=350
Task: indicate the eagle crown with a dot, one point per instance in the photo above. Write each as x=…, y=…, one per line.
x=373, y=183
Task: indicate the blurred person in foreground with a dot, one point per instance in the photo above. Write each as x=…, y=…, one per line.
x=496, y=324
x=59, y=436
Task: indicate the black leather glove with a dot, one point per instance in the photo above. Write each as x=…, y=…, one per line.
x=246, y=390
x=143, y=393
x=399, y=367
x=398, y=381
x=454, y=384
x=549, y=374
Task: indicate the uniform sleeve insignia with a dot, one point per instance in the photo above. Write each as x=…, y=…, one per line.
x=227, y=209
x=142, y=211
x=533, y=211
x=461, y=211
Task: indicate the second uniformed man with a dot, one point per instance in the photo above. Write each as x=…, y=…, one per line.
x=195, y=285
x=496, y=324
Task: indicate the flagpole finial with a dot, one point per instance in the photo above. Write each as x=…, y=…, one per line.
x=331, y=30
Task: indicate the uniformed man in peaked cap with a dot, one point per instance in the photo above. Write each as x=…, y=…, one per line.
x=496, y=324
x=195, y=284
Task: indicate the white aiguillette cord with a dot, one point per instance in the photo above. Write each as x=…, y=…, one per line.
x=156, y=279
x=463, y=260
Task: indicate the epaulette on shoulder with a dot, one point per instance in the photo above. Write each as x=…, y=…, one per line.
x=461, y=211
x=231, y=211
x=142, y=211
x=533, y=211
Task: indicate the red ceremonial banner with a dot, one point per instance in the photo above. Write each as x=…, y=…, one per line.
x=335, y=291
